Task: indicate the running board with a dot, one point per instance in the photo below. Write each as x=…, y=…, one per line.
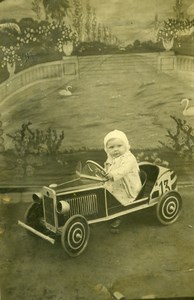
x=45, y=237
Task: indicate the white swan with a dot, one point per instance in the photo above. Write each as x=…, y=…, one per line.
x=188, y=111
x=66, y=92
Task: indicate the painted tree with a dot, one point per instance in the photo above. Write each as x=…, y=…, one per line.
x=2, y=148
x=77, y=18
x=56, y=9
x=136, y=44
x=99, y=32
x=178, y=10
x=105, y=34
x=94, y=25
x=36, y=7
x=111, y=37
x=116, y=41
x=88, y=20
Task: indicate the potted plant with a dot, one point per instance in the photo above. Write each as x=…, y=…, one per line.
x=173, y=29
x=64, y=37
x=10, y=57
x=168, y=33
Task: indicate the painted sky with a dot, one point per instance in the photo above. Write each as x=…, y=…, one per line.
x=128, y=19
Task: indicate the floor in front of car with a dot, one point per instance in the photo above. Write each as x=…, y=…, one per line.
x=142, y=259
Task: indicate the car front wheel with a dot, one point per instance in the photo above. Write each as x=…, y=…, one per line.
x=169, y=208
x=33, y=217
x=75, y=235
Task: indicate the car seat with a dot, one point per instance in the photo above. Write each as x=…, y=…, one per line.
x=143, y=178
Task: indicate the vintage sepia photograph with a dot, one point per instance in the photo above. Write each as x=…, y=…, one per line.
x=96, y=149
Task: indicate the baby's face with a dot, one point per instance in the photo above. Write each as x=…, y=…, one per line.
x=115, y=148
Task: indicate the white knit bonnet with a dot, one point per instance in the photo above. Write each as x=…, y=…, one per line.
x=116, y=134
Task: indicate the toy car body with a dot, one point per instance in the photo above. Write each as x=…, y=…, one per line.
x=69, y=208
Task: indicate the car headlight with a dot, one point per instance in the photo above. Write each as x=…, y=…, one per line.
x=63, y=207
x=37, y=197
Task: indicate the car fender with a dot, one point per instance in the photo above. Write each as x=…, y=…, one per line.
x=166, y=182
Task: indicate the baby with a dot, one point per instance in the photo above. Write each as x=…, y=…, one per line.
x=121, y=168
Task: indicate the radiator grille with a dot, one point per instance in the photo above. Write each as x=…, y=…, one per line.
x=49, y=210
x=84, y=205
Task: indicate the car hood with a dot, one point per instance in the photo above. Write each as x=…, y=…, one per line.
x=77, y=184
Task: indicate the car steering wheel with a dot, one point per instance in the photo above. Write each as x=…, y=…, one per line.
x=96, y=169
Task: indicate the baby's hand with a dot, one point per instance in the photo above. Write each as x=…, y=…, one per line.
x=109, y=176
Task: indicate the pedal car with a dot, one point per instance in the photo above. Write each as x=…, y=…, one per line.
x=69, y=208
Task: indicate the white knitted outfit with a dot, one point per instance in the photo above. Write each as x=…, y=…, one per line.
x=126, y=182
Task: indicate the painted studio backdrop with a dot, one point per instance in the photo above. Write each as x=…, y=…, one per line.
x=70, y=72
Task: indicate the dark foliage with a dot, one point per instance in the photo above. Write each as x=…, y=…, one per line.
x=94, y=48
x=181, y=139
x=28, y=141
x=34, y=148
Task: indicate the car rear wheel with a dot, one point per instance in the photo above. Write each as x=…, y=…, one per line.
x=169, y=208
x=33, y=217
x=75, y=235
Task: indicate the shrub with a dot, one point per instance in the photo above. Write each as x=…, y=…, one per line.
x=28, y=141
x=181, y=139
x=30, y=146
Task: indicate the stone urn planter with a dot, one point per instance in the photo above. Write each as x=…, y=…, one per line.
x=11, y=68
x=68, y=48
x=168, y=44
